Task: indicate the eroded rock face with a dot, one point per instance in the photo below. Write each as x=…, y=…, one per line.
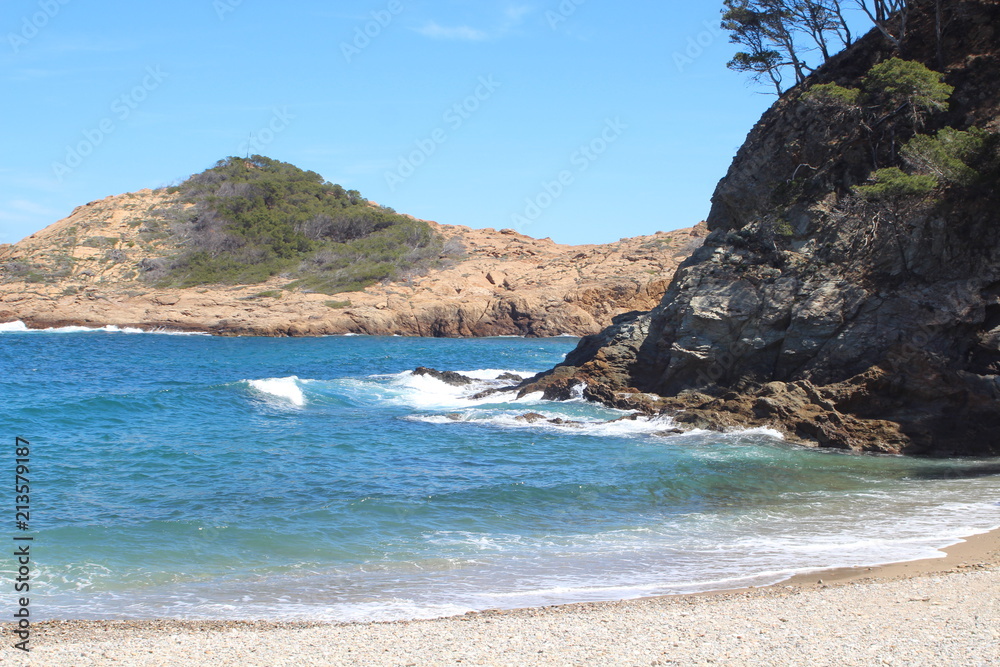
x=809, y=311
x=89, y=270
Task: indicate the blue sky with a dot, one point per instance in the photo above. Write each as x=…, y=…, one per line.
x=581, y=120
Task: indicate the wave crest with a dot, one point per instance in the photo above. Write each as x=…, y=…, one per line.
x=286, y=390
x=20, y=327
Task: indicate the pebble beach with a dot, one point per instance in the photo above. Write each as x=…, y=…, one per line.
x=943, y=611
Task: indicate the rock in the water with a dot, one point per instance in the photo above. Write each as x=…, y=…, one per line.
x=448, y=377
x=559, y=421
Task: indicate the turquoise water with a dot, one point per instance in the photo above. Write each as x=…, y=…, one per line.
x=199, y=477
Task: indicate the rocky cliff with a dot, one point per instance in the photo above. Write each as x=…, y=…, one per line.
x=810, y=309
x=89, y=268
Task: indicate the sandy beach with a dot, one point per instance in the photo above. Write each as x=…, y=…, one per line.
x=942, y=611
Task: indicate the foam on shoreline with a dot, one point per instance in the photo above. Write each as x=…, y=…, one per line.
x=930, y=612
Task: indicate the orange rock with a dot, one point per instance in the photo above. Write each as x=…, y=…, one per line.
x=532, y=287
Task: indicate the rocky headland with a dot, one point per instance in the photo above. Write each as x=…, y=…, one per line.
x=90, y=270
x=844, y=317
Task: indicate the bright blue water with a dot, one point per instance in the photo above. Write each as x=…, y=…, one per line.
x=199, y=477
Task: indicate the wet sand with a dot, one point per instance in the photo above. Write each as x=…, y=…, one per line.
x=941, y=611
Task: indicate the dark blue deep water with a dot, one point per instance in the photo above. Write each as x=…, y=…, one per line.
x=199, y=477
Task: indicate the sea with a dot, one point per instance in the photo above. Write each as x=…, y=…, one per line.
x=320, y=479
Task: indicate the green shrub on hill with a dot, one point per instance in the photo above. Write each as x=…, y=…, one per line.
x=256, y=218
x=894, y=183
x=949, y=155
x=897, y=85
x=831, y=93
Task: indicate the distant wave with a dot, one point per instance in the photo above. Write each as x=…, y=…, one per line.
x=429, y=393
x=285, y=390
x=405, y=389
x=20, y=327
x=14, y=327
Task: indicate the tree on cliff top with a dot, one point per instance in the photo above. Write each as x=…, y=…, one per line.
x=891, y=17
x=903, y=93
x=778, y=34
x=908, y=86
x=767, y=29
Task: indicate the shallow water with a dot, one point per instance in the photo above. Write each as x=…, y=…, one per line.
x=201, y=477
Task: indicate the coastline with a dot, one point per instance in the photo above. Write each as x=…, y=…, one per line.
x=494, y=282
x=980, y=549
x=932, y=611
x=166, y=329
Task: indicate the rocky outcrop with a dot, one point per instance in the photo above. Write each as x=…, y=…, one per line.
x=89, y=270
x=812, y=312
x=448, y=377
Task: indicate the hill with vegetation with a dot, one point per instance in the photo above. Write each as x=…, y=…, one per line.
x=247, y=220
x=259, y=247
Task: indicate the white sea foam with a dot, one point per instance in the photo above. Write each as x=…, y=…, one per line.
x=163, y=605
x=389, y=610
x=284, y=389
x=20, y=327
x=78, y=329
x=424, y=392
x=764, y=431
x=514, y=419
x=173, y=332
x=494, y=373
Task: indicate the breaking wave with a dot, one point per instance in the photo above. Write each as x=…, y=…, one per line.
x=20, y=327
